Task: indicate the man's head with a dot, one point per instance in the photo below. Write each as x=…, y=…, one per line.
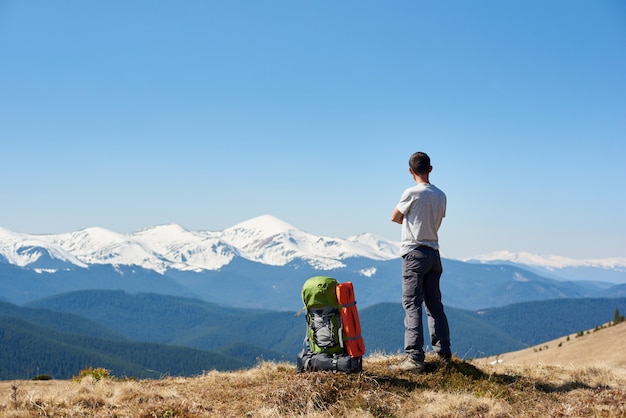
x=420, y=163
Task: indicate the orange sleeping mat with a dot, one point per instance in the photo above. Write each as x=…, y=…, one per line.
x=350, y=319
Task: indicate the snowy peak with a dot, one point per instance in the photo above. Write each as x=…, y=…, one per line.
x=25, y=250
x=269, y=240
x=548, y=261
x=187, y=250
x=259, y=229
x=379, y=245
x=100, y=246
x=162, y=232
x=263, y=226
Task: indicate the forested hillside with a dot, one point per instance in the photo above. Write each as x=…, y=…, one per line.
x=145, y=335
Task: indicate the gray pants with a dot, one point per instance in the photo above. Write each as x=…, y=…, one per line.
x=421, y=271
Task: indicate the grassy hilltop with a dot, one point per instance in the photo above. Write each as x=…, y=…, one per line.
x=574, y=385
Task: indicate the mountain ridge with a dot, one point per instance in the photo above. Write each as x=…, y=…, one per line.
x=264, y=239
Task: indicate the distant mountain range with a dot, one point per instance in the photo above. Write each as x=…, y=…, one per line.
x=263, y=262
x=265, y=239
x=611, y=270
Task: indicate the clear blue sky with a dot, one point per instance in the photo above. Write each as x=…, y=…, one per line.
x=128, y=114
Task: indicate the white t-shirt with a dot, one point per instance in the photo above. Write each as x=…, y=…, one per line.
x=423, y=207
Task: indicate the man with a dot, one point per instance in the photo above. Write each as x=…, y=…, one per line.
x=420, y=211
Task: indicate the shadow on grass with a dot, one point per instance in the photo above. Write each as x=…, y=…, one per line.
x=464, y=376
x=402, y=382
x=566, y=387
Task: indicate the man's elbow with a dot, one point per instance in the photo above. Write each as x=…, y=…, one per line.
x=397, y=217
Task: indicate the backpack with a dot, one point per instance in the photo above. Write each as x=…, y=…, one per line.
x=325, y=345
x=324, y=329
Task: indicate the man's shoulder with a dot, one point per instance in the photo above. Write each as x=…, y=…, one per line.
x=437, y=189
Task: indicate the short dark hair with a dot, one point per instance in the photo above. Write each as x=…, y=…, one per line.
x=420, y=163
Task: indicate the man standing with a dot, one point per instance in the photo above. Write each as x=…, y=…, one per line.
x=420, y=211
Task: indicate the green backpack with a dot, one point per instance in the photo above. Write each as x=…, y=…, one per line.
x=324, y=331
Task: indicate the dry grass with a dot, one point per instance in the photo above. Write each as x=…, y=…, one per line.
x=275, y=390
x=603, y=346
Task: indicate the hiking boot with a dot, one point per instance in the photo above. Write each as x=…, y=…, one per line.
x=408, y=365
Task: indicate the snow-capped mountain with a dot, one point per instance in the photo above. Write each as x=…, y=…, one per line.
x=27, y=250
x=606, y=269
x=549, y=261
x=264, y=239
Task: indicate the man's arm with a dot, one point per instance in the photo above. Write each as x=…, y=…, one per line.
x=397, y=216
